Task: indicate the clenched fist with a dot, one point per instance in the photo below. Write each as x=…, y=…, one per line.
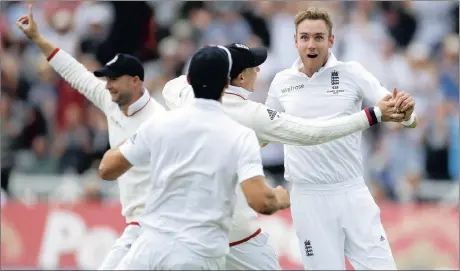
x=389, y=111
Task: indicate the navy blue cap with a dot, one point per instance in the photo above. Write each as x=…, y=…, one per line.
x=210, y=68
x=245, y=57
x=122, y=64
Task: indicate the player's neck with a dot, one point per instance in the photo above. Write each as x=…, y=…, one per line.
x=137, y=95
x=241, y=85
x=310, y=70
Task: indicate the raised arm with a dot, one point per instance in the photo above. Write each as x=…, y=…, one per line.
x=69, y=68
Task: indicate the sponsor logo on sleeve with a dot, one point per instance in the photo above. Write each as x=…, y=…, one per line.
x=272, y=114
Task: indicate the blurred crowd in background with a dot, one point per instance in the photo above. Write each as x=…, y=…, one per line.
x=49, y=130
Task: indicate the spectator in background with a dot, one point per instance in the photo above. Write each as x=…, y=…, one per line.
x=399, y=40
x=73, y=145
x=200, y=18
x=13, y=82
x=400, y=23
x=257, y=14
x=380, y=180
x=282, y=30
x=93, y=21
x=132, y=31
x=99, y=134
x=365, y=39
x=62, y=30
x=430, y=29
x=10, y=129
x=454, y=173
x=227, y=25
x=449, y=68
x=437, y=144
x=43, y=94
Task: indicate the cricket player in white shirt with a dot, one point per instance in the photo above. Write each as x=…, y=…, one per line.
x=126, y=105
x=198, y=157
x=333, y=211
x=249, y=249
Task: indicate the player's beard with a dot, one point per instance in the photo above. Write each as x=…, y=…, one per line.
x=124, y=98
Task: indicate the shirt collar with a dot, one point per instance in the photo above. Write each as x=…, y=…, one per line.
x=244, y=93
x=207, y=104
x=139, y=104
x=331, y=61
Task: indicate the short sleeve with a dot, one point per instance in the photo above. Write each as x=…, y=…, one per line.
x=249, y=160
x=137, y=148
x=273, y=101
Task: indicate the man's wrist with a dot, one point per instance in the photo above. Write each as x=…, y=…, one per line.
x=378, y=113
x=410, y=121
x=371, y=115
x=37, y=39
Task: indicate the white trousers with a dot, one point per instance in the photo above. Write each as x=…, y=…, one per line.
x=159, y=252
x=121, y=247
x=254, y=254
x=334, y=221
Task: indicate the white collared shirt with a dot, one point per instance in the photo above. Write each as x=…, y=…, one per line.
x=198, y=156
x=270, y=126
x=134, y=183
x=338, y=89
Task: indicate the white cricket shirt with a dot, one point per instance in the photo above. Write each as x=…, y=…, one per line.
x=337, y=89
x=198, y=156
x=135, y=182
x=269, y=126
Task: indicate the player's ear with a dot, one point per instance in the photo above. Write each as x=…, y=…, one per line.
x=295, y=39
x=241, y=76
x=228, y=82
x=188, y=78
x=331, y=41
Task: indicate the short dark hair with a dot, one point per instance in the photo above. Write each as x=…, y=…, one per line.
x=209, y=72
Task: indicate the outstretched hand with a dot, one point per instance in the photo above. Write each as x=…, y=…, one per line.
x=28, y=25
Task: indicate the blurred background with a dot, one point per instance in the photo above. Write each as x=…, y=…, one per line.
x=52, y=138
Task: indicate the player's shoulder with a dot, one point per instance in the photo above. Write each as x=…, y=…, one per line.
x=177, y=91
x=352, y=68
x=180, y=81
x=284, y=81
x=165, y=118
x=154, y=106
x=285, y=74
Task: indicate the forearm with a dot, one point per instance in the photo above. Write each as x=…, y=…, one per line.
x=45, y=46
x=298, y=131
x=77, y=76
x=111, y=167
